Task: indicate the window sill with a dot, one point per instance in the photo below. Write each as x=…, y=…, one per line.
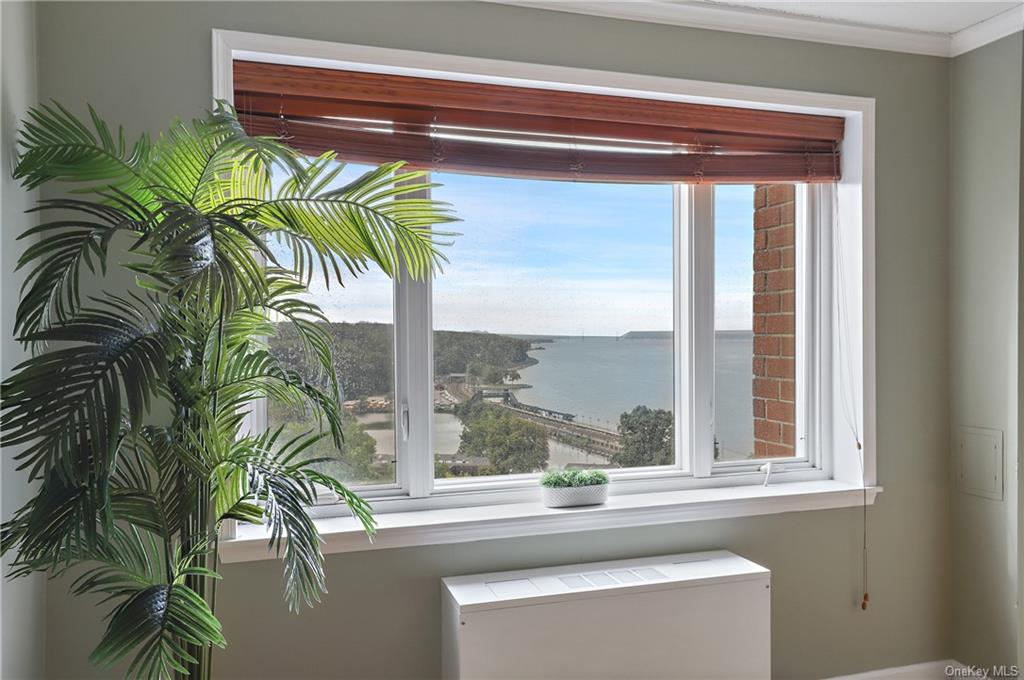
x=459, y=525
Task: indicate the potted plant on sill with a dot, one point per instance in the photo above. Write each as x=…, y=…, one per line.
x=129, y=413
x=571, y=488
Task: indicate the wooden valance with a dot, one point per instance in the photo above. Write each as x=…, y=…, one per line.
x=459, y=126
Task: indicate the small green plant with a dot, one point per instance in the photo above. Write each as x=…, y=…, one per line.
x=566, y=478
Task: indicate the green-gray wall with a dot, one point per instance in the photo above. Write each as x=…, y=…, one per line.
x=985, y=128
x=143, y=63
x=1020, y=383
x=22, y=601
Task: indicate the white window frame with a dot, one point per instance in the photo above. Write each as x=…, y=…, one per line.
x=811, y=252
x=826, y=451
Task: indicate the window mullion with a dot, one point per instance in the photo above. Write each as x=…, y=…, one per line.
x=807, y=197
x=696, y=210
x=413, y=363
x=681, y=229
x=818, y=211
x=704, y=327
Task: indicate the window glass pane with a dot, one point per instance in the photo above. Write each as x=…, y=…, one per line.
x=755, y=282
x=361, y=328
x=553, y=327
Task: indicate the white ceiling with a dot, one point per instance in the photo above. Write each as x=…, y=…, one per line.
x=936, y=28
x=926, y=17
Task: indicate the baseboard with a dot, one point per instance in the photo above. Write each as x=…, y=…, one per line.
x=929, y=670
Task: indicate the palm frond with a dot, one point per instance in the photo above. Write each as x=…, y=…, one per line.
x=70, y=400
x=283, y=492
x=251, y=375
x=212, y=160
x=230, y=183
x=157, y=624
x=56, y=526
x=285, y=302
x=373, y=219
x=145, y=484
x=181, y=159
x=56, y=145
x=358, y=506
x=125, y=562
x=206, y=256
x=229, y=488
x=158, y=615
x=61, y=248
x=264, y=151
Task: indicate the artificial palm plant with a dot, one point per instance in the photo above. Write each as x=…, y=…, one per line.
x=130, y=412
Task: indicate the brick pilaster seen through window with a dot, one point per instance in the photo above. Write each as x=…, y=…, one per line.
x=774, y=320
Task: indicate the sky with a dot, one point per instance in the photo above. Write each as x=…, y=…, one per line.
x=562, y=258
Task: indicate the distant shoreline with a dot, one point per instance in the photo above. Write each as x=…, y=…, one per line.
x=646, y=335
x=530, y=361
x=547, y=338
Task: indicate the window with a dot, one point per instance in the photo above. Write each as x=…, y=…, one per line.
x=553, y=328
x=361, y=326
x=626, y=293
x=755, y=322
x=735, y=360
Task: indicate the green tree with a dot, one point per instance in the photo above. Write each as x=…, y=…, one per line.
x=647, y=437
x=363, y=355
x=358, y=453
x=468, y=411
x=493, y=375
x=510, y=444
x=455, y=350
x=443, y=470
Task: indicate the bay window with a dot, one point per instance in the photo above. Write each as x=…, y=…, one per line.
x=638, y=285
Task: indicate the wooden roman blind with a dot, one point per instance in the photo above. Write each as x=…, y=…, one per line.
x=451, y=125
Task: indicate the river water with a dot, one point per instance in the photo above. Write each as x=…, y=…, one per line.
x=599, y=378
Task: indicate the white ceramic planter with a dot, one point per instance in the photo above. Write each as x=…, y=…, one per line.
x=570, y=496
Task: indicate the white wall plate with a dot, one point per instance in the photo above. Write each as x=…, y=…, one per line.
x=980, y=470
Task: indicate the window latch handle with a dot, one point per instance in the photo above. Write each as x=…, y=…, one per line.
x=405, y=422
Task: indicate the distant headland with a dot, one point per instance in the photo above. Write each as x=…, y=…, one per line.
x=646, y=335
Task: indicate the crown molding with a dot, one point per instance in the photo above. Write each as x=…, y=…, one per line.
x=984, y=32
x=753, y=21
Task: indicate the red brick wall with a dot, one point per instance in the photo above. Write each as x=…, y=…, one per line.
x=774, y=320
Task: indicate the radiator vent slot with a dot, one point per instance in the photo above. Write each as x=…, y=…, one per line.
x=518, y=587
x=599, y=579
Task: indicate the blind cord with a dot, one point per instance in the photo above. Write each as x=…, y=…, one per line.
x=847, y=397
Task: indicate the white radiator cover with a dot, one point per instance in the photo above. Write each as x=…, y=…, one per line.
x=697, y=615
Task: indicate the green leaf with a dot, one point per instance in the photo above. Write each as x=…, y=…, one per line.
x=156, y=624
x=358, y=506
x=212, y=161
x=69, y=401
x=250, y=374
x=283, y=479
x=61, y=248
x=59, y=523
x=375, y=219
x=245, y=512
x=229, y=486
x=56, y=145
